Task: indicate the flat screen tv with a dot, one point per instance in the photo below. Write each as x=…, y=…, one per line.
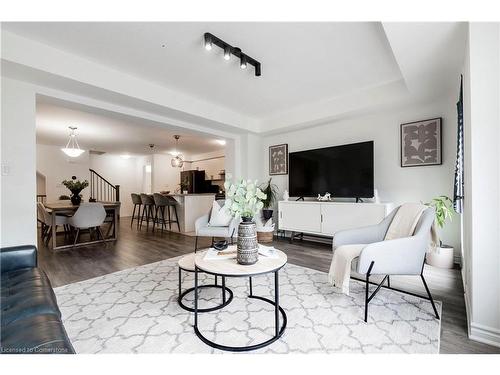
x=343, y=171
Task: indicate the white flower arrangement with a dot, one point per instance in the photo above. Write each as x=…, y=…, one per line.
x=244, y=198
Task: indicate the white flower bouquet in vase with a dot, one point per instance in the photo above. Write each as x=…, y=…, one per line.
x=244, y=199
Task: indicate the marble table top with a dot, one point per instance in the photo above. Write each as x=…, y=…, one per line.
x=230, y=267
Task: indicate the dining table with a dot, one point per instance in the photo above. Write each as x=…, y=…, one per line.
x=68, y=208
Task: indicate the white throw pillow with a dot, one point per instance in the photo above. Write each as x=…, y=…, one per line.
x=220, y=216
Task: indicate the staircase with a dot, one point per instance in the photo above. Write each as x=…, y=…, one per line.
x=101, y=190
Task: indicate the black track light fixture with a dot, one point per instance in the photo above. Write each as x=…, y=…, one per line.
x=229, y=50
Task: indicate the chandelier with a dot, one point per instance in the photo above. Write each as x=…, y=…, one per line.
x=178, y=159
x=72, y=148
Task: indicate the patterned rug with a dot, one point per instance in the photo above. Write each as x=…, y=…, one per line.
x=136, y=311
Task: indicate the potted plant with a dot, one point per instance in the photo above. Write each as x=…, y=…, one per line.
x=245, y=200
x=75, y=186
x=184, y=185
x=271, y=191
x=442, y=255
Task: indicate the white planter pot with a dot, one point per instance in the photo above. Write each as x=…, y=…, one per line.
x=442, y=257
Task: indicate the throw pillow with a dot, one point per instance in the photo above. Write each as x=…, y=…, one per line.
x=220, y=216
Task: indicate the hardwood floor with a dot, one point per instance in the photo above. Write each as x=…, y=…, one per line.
x=135, y=248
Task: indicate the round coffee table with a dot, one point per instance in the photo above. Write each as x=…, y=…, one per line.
x=186, y=264
x=230, y=268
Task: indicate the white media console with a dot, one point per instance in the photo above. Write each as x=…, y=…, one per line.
x=326, y=218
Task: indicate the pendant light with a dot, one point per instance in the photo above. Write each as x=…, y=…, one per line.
x=178, y=159
x=72, y=148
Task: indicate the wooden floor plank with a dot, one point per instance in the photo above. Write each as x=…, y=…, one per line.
x=136, y=248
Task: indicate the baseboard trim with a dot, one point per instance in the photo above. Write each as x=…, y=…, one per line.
x=484, y=334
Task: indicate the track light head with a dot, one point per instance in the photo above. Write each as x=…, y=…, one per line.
x=227, y=53
x=243, y=62
x=208, y=42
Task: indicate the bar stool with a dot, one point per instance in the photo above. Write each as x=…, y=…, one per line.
x=136, y=200
x=172, y=203
x=148, y=202
x=161, y=201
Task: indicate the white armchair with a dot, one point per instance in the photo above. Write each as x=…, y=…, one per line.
x=402, y=256
x=203, y=229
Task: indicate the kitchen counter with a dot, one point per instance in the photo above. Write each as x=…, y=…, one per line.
x=191, y=207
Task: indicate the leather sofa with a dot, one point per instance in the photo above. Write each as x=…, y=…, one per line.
x=30, y=318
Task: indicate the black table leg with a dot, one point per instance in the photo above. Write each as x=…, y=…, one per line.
x=276, y=304
x=251, y=289
x=180, y=280
x=223, y=289
x=196, y=297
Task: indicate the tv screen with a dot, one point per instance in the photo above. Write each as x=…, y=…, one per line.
x=343, y=171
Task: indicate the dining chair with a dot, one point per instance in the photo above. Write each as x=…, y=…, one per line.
x=88, y=216
x=137, y=202
x=45, y=217
x=148, y=203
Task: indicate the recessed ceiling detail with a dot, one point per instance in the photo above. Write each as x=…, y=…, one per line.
x=245, y=60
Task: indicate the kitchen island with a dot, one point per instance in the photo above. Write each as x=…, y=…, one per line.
x=190, y=208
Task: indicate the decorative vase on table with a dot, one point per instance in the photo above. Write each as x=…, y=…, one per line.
x=76, y=198
x=247, y=248
x=244, y=199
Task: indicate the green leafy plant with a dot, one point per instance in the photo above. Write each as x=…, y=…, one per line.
x=271, y=191
x=444, y=209
x=245, y=198
x=75, y=186
x=64, y=198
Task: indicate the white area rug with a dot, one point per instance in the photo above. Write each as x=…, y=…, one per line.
x=136, y=311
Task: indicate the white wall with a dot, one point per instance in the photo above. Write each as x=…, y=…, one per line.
x=482, y=181
x=40, y=184
x=394, y=183
x=56, y=166
x=123, y=172
x=18, y=217
x=165, y=177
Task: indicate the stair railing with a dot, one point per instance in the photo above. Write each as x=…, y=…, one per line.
x=102, y=190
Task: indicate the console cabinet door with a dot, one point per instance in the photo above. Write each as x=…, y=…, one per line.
x=338, y=216
x=300, y=217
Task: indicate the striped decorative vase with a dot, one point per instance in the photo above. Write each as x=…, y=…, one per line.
x=247, y=246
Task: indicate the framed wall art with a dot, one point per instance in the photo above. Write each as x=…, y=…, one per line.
x=278, y=159
x=421, y=143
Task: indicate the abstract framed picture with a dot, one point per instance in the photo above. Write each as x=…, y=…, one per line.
x=421, y=143
x=278, y=159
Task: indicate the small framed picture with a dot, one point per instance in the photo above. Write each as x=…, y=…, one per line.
x=278, y=159
x=421, y=143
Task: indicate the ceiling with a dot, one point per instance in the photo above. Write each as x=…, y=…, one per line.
x=301, y=62
x=112, y=132
x=312, y=72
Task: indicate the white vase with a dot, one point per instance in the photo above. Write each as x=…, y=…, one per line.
x=441, y=257
x=286, y=196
